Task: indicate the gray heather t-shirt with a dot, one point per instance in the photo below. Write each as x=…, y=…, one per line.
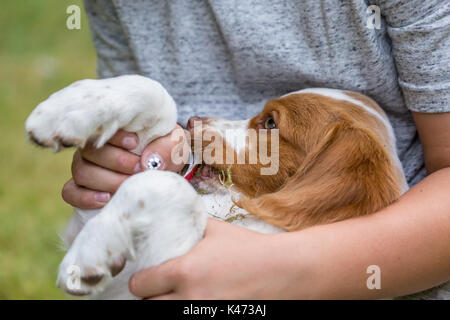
x=226, y=58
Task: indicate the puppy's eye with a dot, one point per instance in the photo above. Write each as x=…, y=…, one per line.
x=270, y=124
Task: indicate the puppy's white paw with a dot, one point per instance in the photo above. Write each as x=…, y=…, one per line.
x=154, y=216
x=95, y=109
x=98, y=254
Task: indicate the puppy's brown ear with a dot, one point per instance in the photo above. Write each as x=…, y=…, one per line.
x=348, y=172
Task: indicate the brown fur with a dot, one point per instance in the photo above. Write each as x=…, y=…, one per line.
x=336, y=162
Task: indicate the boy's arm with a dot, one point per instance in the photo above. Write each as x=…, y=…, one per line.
x=409, y=241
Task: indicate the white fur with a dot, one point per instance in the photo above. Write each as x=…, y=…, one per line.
x=77, y=112
x=340, y=95
x=154, y=216
x=234, y=132
x=219, y=204
x=93, y=110
x=143, y=224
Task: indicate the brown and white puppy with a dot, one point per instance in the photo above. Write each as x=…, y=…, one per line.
x=336, y=159
x=310, y=157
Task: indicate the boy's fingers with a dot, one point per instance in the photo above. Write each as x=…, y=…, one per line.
x=113, y=158
x=91, y=176
x=124, y=139
x=83, y=198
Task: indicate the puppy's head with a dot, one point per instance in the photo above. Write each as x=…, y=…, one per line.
x=308, y=159
x=257, y=155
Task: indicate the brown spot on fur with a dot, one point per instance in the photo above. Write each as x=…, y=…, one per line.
x=92, y=276
x=68, y=142
x=35, y=140
x=117, y=266
x=141, y=204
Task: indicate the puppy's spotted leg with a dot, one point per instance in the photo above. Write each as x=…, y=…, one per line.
x=92, y=111
x=145, y=224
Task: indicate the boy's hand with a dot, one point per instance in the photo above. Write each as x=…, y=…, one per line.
x=98, y=173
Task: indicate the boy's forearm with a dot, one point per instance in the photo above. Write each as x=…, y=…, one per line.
x=409, y=241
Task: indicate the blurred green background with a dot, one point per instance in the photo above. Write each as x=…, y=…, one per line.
x=38, y=56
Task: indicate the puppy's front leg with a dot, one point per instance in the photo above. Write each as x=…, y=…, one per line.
x=92, y=111
x=77, y=221
x=153, y=217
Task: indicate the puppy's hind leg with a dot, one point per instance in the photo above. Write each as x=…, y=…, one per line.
x=153, y=217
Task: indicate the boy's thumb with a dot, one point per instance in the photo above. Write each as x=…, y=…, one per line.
x=166, y=153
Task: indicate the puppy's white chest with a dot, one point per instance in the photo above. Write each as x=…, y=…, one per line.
x=219, y=205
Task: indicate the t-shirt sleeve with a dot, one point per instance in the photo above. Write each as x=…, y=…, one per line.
x=114, y=55
x=420, y=34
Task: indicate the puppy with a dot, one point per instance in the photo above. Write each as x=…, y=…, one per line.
x=310, y=157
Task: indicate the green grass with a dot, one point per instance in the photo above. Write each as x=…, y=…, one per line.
x=38, y=55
